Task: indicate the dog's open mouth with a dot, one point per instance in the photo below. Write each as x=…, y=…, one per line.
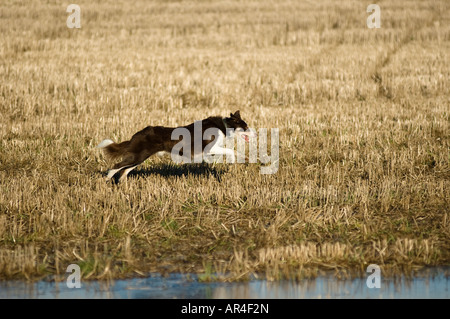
x=245, y=137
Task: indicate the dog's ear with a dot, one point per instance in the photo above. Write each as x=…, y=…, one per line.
x=236, y=114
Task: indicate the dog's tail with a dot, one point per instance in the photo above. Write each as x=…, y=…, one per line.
x=113, y=150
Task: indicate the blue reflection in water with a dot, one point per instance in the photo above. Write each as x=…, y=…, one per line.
x=434, y=283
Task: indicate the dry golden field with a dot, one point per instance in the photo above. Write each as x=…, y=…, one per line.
x=363, y=115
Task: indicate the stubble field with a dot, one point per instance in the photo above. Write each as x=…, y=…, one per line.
x=363, y=116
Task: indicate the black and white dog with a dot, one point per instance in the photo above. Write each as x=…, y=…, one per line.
x=155, y=139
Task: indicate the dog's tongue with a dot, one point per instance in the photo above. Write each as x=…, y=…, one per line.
x=245, y=137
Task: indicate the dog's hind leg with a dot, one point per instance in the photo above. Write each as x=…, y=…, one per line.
x=112, y=172
x=126, y=163
x=130, y=162
x=125, y=172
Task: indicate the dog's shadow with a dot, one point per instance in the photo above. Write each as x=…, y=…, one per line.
x=178, y=170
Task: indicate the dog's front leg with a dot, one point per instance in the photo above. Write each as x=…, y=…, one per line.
x=230, y=154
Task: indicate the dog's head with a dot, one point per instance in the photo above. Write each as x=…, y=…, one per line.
x=239, y=126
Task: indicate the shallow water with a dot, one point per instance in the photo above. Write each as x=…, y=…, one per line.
x=434, y=283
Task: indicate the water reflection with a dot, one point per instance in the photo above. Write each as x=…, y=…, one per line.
x=431, y=284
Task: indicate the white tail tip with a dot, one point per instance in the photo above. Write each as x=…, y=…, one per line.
x=104, y=143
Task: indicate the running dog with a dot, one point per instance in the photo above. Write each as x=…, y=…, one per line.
x=155, y=139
